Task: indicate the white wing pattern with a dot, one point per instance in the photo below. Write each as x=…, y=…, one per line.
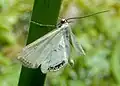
x=33, y=54
x=58, y=57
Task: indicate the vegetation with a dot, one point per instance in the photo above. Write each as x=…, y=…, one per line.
x=98, y=34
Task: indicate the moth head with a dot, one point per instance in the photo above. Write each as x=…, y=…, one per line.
x=62, y=21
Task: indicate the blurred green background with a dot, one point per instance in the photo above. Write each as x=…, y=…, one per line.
x=99, y=35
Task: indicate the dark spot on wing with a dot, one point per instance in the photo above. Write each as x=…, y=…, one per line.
x=53, y=68
x=55, y=50
x=66, y=46
x=60, y=64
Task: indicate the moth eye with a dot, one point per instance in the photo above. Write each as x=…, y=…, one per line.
x=63, y=21
x=55, y=50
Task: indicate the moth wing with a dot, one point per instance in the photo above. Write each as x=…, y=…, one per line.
x=57, y=58
x=30, y=55
x=75, y=44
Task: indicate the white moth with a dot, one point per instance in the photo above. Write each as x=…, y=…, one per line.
x=51, y=52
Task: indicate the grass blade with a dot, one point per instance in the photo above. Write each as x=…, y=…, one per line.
x=44, y=12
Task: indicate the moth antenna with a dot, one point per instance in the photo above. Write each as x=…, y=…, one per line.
x=43, y=25
x=87, y=15
x=70, y=21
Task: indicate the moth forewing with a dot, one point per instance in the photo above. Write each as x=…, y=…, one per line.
x=78, y=48
x=57, y=57
x=45, y=37
x=30, y=55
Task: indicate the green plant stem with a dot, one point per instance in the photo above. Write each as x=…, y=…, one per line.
x=44, y=12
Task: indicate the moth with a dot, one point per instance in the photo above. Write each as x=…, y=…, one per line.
x=52, y=51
